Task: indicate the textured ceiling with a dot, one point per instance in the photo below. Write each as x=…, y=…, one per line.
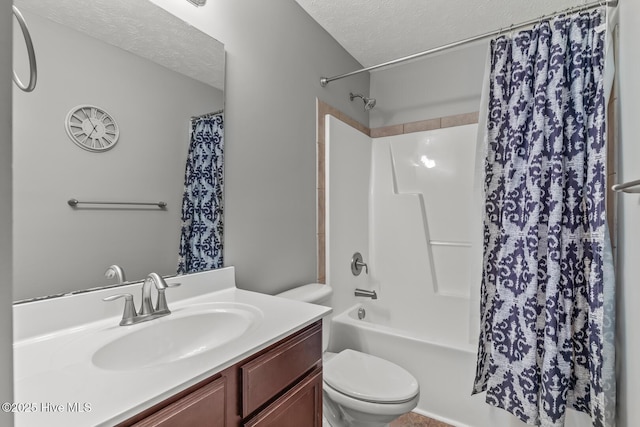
x=377, y=31
x=142, y=28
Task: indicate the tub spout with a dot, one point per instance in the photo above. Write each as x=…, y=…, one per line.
x=366, y=293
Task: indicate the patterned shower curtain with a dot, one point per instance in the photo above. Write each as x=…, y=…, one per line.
x=202, y=202
x=542, y=347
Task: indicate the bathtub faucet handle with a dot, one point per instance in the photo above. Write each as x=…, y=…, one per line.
x=357, y=263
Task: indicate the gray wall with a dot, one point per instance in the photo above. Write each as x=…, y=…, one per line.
x=59, y=249
x=6, y=335
x=441, y=85
x=276, y=55
x=628, y=317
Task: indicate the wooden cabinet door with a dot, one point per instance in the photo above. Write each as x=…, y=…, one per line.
x=202, y=408
x=300, y=406
x=268, y=375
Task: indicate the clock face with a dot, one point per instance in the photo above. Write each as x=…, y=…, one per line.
x=91, y=128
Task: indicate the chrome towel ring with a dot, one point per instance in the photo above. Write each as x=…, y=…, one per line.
x=32, y=55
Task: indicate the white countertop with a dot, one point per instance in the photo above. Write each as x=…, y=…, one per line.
x=56, y=383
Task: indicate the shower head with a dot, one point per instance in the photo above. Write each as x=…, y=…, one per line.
x=369, y=103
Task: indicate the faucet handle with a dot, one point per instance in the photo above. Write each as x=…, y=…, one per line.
x=129, y=308
x=161, y=303
x=357, y=263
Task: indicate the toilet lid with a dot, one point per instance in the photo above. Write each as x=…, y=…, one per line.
x=369, y=378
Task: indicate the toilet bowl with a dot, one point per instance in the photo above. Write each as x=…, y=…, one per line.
x=367, y=390
x=359, y=390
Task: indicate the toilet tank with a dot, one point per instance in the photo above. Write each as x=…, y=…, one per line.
x=314, y=293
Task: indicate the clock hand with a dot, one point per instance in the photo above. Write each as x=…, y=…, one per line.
x=90, y=133
x=88, y=116
x=94, y=129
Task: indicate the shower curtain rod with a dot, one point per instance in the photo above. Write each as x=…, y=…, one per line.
x=324, y=81
x=207, y=114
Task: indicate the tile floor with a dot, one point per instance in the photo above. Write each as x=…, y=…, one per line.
x=415, y=420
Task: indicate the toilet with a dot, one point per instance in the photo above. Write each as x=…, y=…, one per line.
x=359, y=390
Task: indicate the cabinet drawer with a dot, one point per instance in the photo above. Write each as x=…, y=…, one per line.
x=268, y=375
x=300, y=406
x=204, y=407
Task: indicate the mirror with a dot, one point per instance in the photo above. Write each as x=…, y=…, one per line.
x=151, y=72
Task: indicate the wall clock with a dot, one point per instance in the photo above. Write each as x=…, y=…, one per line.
x=91, y=128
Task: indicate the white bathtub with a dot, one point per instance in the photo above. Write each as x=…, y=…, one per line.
x=445, y=371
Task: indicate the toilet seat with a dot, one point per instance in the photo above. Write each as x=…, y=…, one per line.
x=369, y=378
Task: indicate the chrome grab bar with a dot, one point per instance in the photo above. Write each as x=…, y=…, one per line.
x=33, y=76
x=627, y=187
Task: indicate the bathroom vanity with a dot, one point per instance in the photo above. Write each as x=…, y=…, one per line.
x=223, y=357
x=279, y=386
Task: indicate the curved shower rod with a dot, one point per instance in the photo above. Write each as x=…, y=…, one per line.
x=324, y=81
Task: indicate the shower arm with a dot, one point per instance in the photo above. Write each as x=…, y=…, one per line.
x=369, y=103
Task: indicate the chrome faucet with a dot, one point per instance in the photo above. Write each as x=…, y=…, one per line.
x=366, y=293
x=147, y=310
x=146, y=307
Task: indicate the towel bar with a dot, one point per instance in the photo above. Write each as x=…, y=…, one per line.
x=75, y=202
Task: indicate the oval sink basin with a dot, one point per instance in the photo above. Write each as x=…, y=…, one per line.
x=175, y=337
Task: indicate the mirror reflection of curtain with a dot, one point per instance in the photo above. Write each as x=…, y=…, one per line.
x=202, y=202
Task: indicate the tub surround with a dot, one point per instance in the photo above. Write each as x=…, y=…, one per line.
x=54, y=341
x=323, y=109
x=424, y=125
